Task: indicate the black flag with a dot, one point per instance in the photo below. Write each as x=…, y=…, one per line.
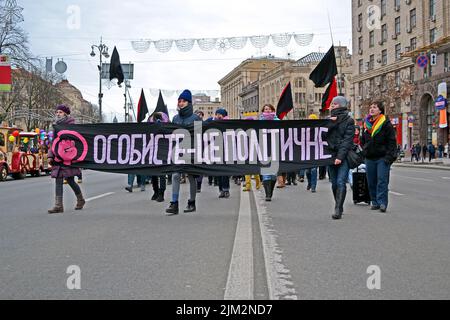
x=161, y=106
x=115, y=68
x=286, y=104
x=142, y=108
x=326, y=70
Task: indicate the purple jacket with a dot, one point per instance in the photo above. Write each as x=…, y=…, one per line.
x=63, y=172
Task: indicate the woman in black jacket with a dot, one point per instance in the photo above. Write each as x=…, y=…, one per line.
x=340, y=140
x=380, y=146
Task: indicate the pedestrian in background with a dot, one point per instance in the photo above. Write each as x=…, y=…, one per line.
x=431, y=152
x=424, y=152
x=59, y=173
x=340, y=140
x=441, y=150
x=380, y=149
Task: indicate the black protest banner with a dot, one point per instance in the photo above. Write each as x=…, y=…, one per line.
x=218, y=148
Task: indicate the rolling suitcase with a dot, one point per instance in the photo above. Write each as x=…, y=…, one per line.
x=360, y=188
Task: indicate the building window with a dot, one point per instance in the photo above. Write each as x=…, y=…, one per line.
x=412, y=18
x=384, y=33
x=412, y=74
x=360, y=43
x=432, y=8
x=384, y=57
x=446, y=61
x=371, y=62
x=413, y=44
x=433, y=34
x=397, y=79
x=361, y=66
x=383, y=7
x=360, y=20
x=397, y=3
x=398, y=52
x=397, y=26
x=371, y=39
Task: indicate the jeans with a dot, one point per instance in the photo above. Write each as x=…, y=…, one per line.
x=302, y=173
x=339, y=175
x=176, y=187
x=140, y=180
x=311, y=175
x=224, y=184
x=378, y=172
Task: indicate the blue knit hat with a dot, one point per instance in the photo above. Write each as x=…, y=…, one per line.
x=222, y=111
x=186, y=95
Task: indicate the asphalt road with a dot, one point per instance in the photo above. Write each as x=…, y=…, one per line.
x=240, y=248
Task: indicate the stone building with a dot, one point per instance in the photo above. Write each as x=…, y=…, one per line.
x=388, y=37
x=202, y=102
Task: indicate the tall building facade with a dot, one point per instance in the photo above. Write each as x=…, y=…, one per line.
x=388, y=38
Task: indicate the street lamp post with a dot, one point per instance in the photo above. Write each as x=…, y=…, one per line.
x=103, y=52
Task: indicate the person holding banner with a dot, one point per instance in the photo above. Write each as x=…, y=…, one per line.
x=62, y=116
x=158, y=182
x=224, y=181
x=269, y=181
x=185, y=117
x=380, y=150
x=340, y=139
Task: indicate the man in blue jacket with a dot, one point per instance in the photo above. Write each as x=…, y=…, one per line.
x=185, y=117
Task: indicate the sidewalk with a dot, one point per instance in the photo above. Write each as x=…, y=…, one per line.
x=437, y=164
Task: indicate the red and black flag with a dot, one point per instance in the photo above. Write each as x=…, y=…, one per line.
x=329, y=95
x=161, y=106
x=115, y=68
x=286, y=104
x=326, y=70
x=142, y=108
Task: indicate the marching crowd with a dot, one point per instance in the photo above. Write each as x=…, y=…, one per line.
x=376, y=141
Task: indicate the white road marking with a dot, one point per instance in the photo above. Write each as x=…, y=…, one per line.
x=396, y=193
x=278, y=276
x=99, y=197
x=240, y=283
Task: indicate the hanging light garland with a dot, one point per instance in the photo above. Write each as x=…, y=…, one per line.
x=222, y=44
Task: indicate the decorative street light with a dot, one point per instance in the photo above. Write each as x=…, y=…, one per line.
x=103, y=50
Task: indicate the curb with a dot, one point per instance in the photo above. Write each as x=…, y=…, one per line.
x=431, y=167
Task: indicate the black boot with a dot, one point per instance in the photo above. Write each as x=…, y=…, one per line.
x=190, y=207
x=267, y=189
x=273, y=183
x=334, y=193
x=342, y=200
x=338, y=208
x=173, y=209
x=155, y=195
x=160, y=196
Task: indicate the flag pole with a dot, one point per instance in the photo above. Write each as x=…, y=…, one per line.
x=332, y=42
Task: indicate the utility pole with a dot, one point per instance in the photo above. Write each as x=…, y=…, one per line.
x=103, y=52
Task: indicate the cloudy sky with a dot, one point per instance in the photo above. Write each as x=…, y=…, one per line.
x=51, y=33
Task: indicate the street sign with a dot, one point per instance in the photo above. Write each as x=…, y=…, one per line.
x=422, y=61
x=5, y=74
x=433, y=59
x=127, y=68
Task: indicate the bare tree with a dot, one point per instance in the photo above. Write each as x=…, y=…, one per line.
x=392, y=89
x=13, y=39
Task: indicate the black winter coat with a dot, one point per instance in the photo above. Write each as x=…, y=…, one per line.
x=341, y=133
x=382, y=146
